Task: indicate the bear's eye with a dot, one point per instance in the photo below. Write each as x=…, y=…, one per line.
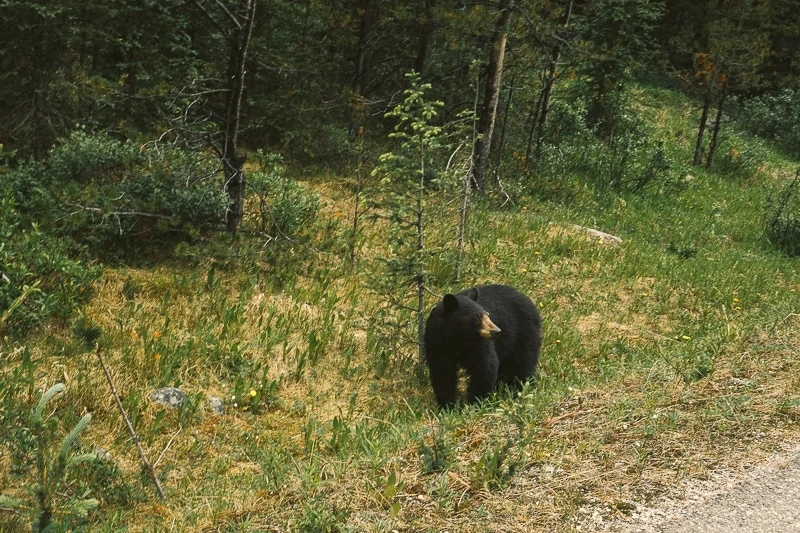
x=477, y=320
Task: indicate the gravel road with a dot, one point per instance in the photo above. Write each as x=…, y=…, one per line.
x=763, y=499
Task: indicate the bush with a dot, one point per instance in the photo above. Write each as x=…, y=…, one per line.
x=629, y=159
x=285, y=206
x=782, y=225
x=775, y=117
x=108, y=194
x=41, y=275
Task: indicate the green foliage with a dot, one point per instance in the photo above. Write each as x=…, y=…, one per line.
x=619, y=35
x=782, y=221
x=738, y=160
x=775, y=117
x=319, y=516
x=46, y=503
x=496, y=467
x=109, y=194
x=437, y=456
x=630, y=158
x=41, y=274
x=401, y=202
x=286, y=208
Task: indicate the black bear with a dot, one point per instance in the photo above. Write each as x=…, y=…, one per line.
x=493, y=332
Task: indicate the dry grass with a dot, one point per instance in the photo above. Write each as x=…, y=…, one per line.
x=624, y=409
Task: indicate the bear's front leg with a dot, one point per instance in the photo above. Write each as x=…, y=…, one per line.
x=444, y=379
x=482, y=373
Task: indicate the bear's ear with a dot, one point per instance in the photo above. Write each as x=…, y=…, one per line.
x=473, y=294
x=450, y=303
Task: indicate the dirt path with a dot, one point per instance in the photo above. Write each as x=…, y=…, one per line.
x=763, y=499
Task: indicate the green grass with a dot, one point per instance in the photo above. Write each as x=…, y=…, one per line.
x=666, y=356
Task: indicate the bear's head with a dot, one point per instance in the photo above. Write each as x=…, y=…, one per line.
x=465, y=315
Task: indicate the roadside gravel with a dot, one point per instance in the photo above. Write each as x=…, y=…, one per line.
x=761, y=499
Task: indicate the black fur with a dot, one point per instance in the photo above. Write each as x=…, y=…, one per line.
x=453, y=340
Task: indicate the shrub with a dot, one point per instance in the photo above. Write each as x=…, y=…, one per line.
x=782, y=225
x=775, y=117
x=41, y=275
x=286, y=207
x=108, y=194
x=629, y=159
x=47, y=502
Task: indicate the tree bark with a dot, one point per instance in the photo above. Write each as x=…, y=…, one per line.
x=425, y=37
x=698, y=147
x=547, y=91
x=712, y=147
x=488, y=114
x=232, y=160
x=360, y=72
x=498, y=151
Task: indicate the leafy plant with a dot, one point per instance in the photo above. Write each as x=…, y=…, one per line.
x=285, y=207
x=437, y=456
x=404, y=186
x=496, y=466
x=782, y=225
x=775, y=117
x=108, y=194
x=41, y=275
x=46, y=505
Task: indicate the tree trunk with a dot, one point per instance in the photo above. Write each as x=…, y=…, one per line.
x=488, y=114
x=547, y=91
x=712, y=147
x=425, y=37
x=419, y=268
x=360, y=71
x=232, y=160
x=698, y=147
x=533, y=118
x=498, y=152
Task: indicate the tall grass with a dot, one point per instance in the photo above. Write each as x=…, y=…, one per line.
x=669, y=354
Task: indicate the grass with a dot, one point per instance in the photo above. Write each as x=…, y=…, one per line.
x=667, y=356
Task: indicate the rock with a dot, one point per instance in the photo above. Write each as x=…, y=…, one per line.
x=605, y=238
x=169, y=396
x=216, y=405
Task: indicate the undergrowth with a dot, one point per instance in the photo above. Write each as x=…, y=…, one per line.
x=664, y=356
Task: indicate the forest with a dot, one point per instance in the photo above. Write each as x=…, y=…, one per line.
x=256, y=203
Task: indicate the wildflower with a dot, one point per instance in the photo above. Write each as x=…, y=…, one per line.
x=253, y=393
x=157, y=335
x=686, y=337
x=158, y=357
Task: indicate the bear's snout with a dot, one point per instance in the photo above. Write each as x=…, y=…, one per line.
x=489, y=329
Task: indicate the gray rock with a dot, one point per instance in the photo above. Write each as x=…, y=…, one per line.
x=169, y=396
x=216, y=405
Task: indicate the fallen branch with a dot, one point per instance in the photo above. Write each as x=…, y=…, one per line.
x=132, y=431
